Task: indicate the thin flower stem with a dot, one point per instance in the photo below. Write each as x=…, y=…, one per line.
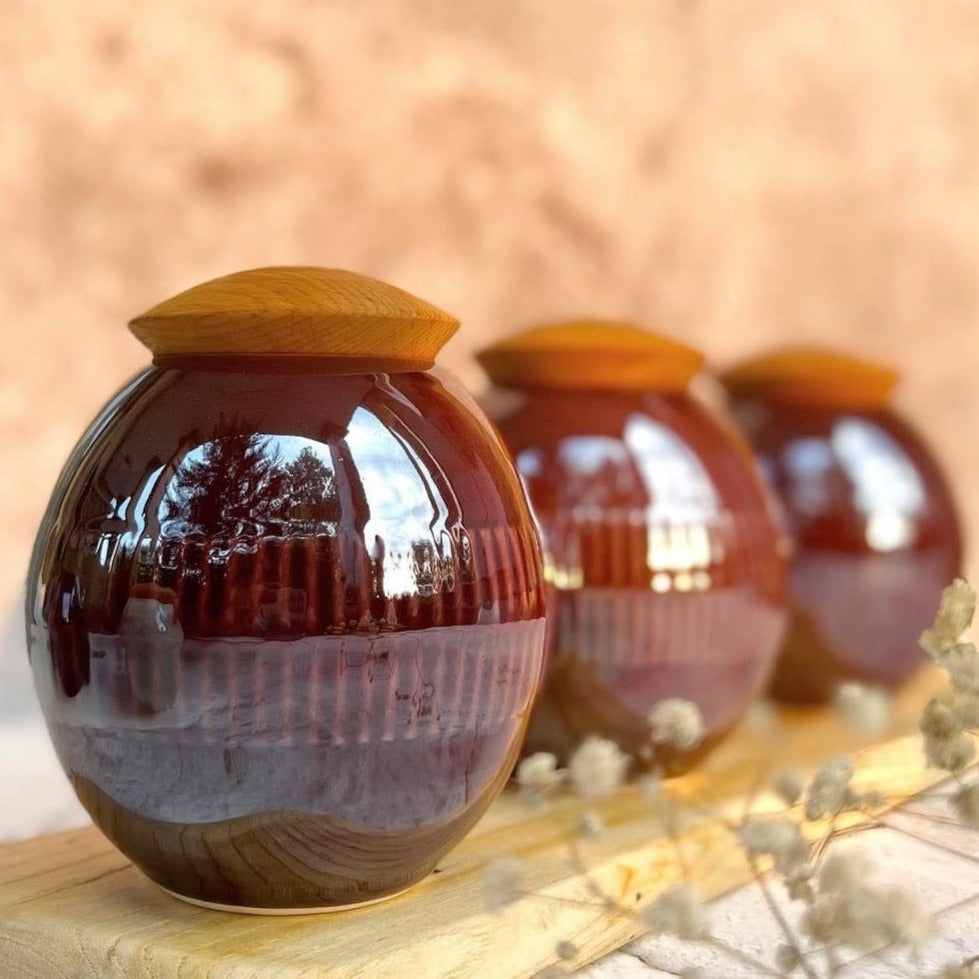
x=924, y=839
x=593, y=888
x=820, y=848
x=933, y=817
x=576, y=902
x=780, y=919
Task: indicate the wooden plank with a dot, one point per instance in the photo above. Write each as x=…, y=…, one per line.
x=71, y=905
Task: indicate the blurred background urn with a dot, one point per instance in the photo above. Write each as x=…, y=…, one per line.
x=665, y=567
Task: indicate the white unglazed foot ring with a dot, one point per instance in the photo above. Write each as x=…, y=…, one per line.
x=239, y=909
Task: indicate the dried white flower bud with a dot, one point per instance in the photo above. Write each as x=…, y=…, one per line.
x=788, y=785
x=590, y=824
x=537, y=774
x=852, y=910
x=939, y=719
x=597, y=767
x=955, y=612
x=967, y=710
x=677, y=911
x=787, y=959
x=965, y=802
x=566, y=950
x=829, y=791
x=798, y=883
x=865, y=709
x=951, y=754
x=677, y=723
x=962, y=664
x=780, y=838
x=502, y=880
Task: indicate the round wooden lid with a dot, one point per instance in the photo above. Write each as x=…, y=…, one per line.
x=813, y=376
x=591, y=354
x=298, y=311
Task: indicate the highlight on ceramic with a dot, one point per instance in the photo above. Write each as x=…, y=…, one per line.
x=285, y=610
x=876, y=532
x=666, y=567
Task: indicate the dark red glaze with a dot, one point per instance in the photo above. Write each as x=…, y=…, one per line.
x=876, y=534
x=286, y=626
x=664, y=560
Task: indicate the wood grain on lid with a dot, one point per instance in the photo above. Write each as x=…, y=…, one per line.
x=591, y=354
x=814, y=376
x=298, y=311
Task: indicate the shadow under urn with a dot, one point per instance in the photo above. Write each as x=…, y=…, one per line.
x=665, y=566
x=875, y=529
x=285, y=611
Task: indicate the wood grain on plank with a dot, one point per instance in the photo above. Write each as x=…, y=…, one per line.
x=71, y=905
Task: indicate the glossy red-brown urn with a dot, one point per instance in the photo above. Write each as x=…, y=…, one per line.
x=285, y=609
x=665, y=565
x=876, y=533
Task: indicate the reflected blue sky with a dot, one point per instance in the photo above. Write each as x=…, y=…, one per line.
x=649, y=477
x=287, y=484
x=885, y=485
x=407, y=509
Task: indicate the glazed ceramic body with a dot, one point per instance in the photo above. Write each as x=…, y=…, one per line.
x=664, y=561
x=286, y=626
x=876, y=538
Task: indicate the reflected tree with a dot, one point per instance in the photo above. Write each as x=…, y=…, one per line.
x=310, y=491
x=237, y=484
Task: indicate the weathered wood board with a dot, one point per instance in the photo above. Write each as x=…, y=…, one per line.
x=72, y=906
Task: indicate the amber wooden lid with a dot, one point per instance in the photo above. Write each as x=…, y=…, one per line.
x=591, y=354
x=813, y=376
x=298, y=311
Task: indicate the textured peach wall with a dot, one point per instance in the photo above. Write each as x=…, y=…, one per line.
x=735, y=172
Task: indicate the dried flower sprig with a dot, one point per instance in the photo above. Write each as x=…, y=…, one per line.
x=677, y=911
x=537, y=775
x=676, y=723
x=597, y=768
x=842, y=905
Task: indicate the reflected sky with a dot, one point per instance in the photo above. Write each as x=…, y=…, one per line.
x=246, y=483
x=886, y=486
x=680, y=489
x=407, y=509
x=650, y=477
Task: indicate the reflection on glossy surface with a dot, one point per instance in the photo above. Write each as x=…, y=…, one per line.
x=298, y=615
x=663, y=559
x=877, y=538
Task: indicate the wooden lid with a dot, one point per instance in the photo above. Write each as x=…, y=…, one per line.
x=813, y=376
x=591, y=354
x=298, y=312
